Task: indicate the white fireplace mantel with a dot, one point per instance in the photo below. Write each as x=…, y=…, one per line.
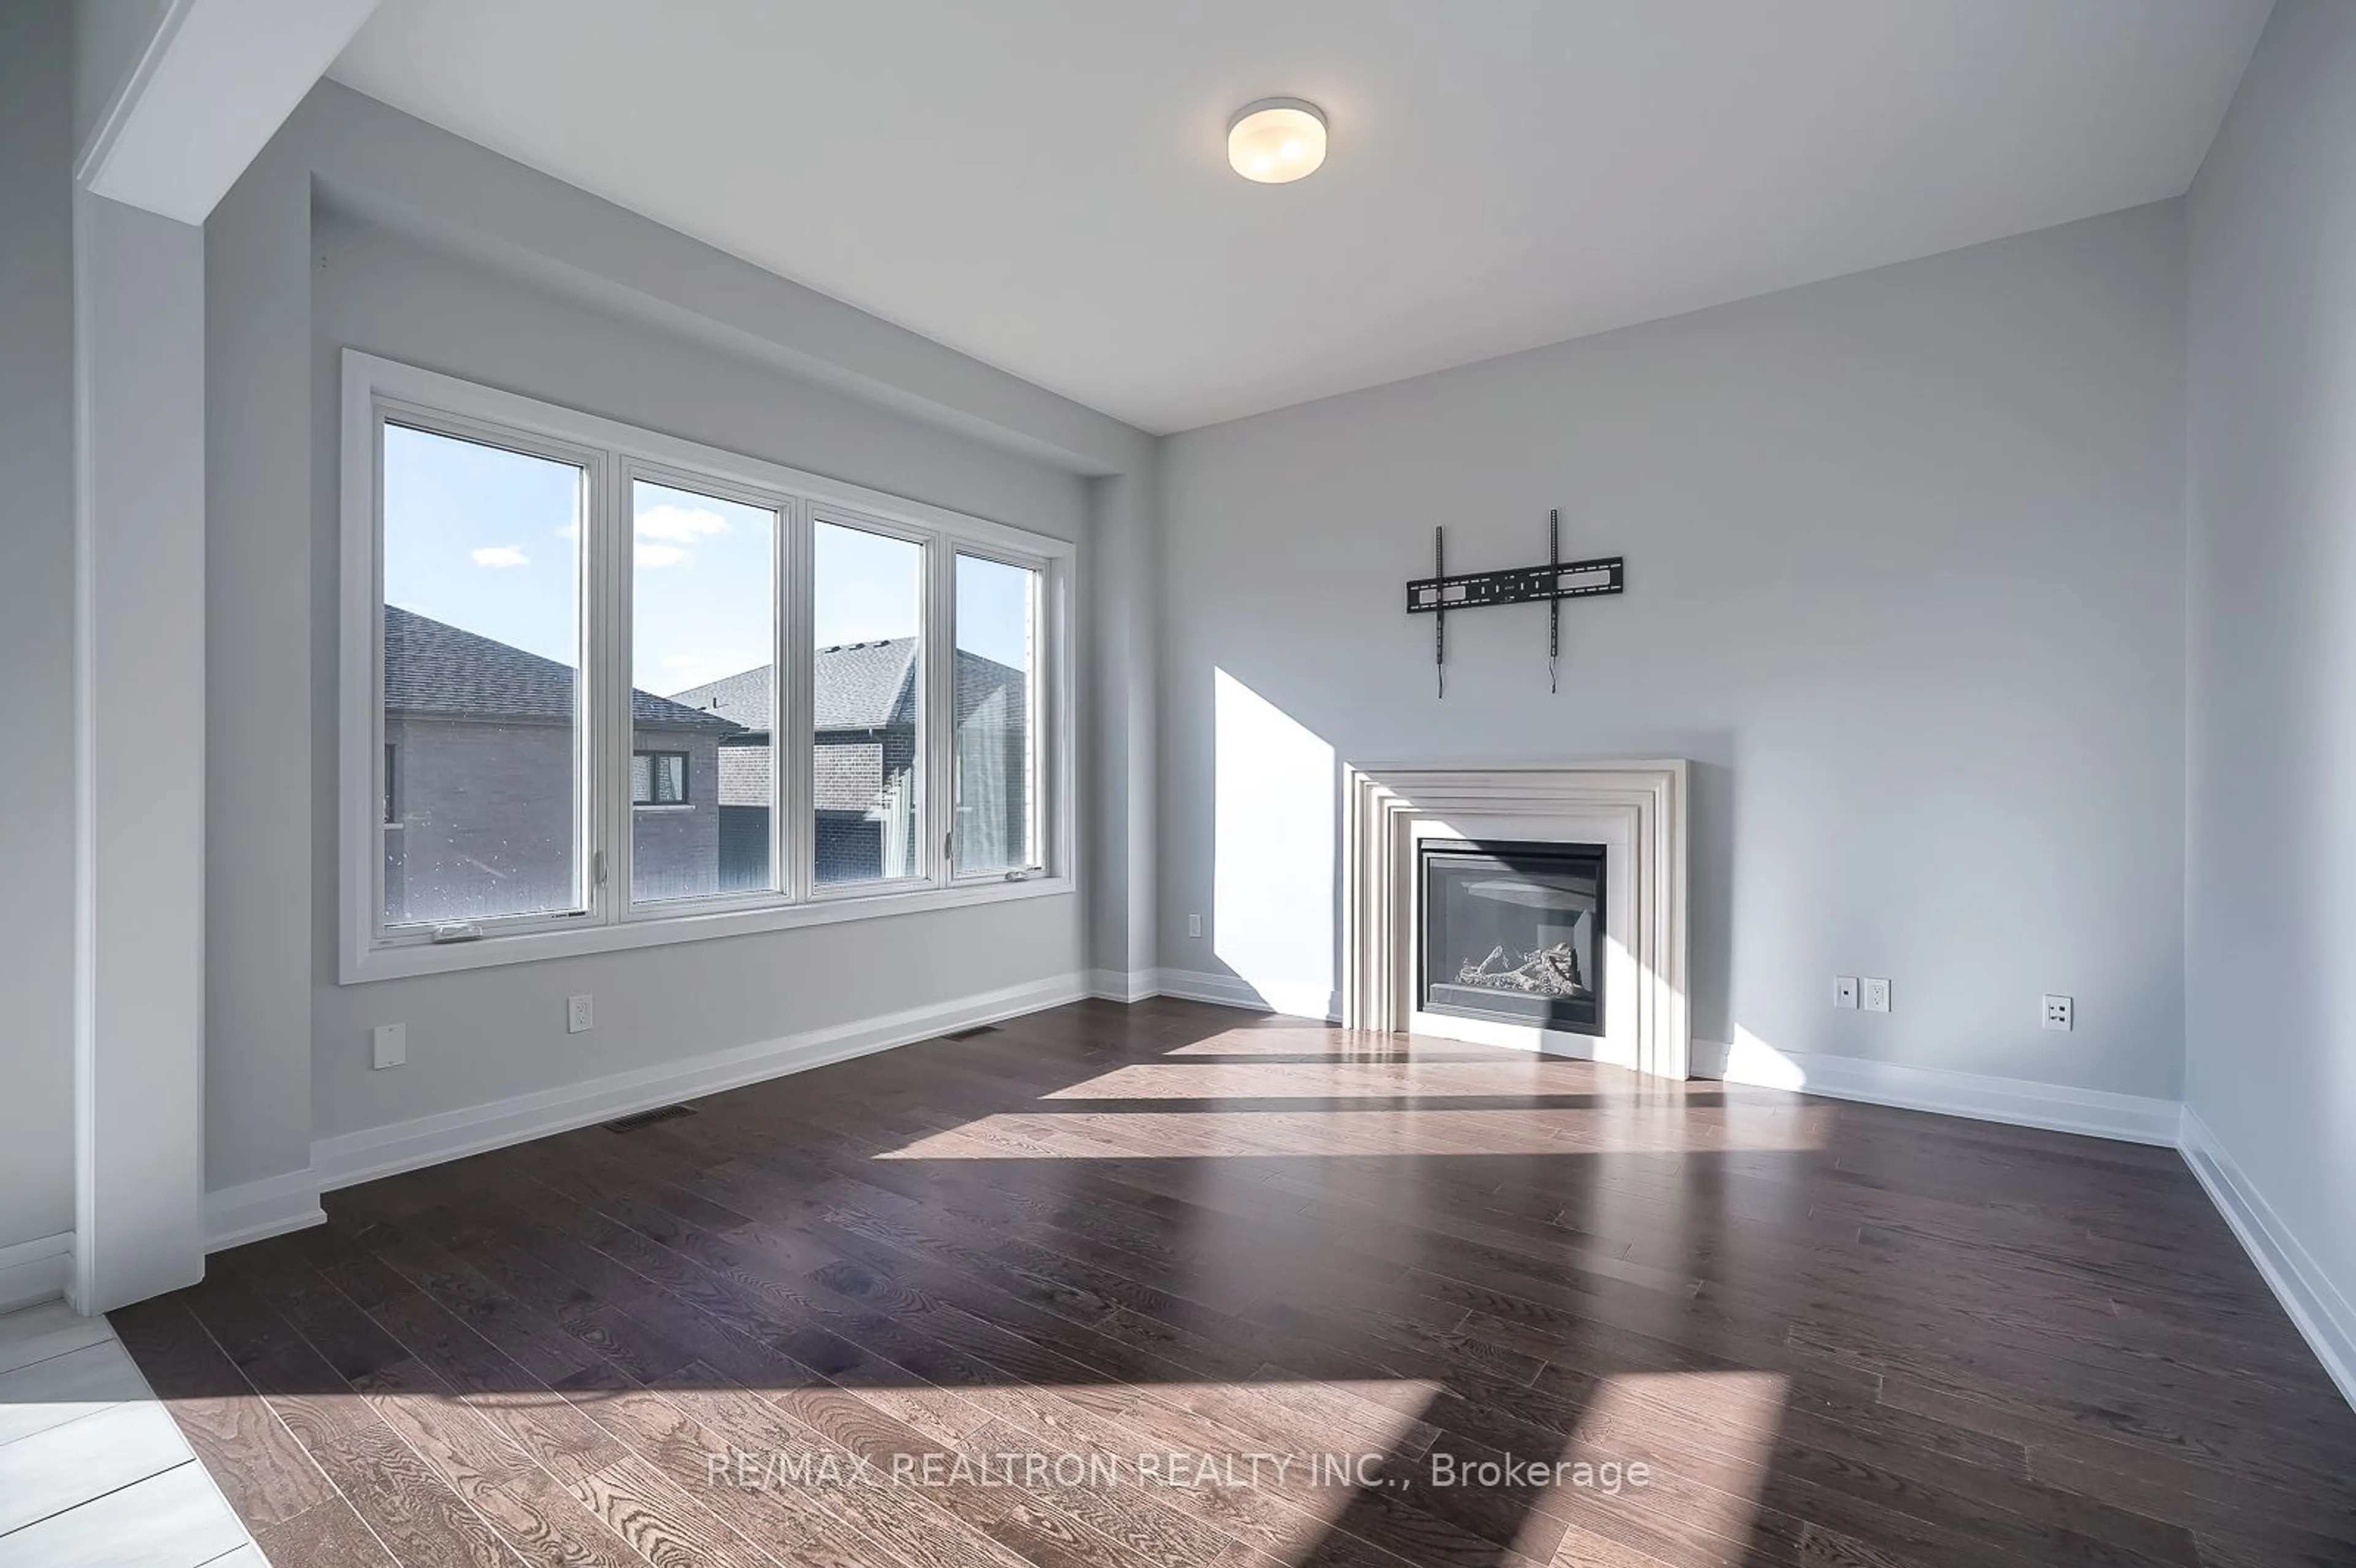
x=1640, y=807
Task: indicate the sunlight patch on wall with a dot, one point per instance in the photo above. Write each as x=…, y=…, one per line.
x=1750, y=1060
x=1273, y=889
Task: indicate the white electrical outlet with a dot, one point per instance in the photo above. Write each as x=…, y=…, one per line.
x=1193, y=925
x=1877, y=995
x=1844, y=992
x=2060, y=1012
x=580, y=1014
x=391, y=1044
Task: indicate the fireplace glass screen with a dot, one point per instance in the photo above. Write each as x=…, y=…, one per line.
x=1513, y=931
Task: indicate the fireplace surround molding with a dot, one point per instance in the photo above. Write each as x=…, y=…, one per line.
x=1640, y=807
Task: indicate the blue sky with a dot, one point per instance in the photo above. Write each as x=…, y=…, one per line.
x=486, y=540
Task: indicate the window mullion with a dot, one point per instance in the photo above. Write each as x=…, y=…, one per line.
x=940, y=716
x=792, y=768
x=610, y=662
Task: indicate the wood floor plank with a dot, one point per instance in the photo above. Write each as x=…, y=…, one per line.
x=1835, y=1334
x=261, y=1468
x=418, y=1516
x=329, y=1535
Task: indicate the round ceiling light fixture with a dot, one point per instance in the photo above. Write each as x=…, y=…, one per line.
x=1277, y=140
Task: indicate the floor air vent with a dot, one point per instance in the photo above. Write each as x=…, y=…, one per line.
x=648, y=1118
x=971, y=1033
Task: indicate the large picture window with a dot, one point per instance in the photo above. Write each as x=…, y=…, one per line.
x=604, y=688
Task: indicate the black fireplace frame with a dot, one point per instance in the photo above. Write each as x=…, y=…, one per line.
x=1561, y=1015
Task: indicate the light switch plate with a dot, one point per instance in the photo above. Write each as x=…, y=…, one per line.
x=390, y=1045
x=1876, y=994
x=1844, y=992
x=1193, y=925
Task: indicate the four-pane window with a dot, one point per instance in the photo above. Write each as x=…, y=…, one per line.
x=617, y=678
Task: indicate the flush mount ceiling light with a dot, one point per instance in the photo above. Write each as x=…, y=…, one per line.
x=1277, y=140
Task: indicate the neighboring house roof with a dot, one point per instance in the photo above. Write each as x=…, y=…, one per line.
x=856, y=686
x=433, y=669
x=743, y=698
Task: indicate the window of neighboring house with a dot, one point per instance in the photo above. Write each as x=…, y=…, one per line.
x=659, y=778
x=551, y=620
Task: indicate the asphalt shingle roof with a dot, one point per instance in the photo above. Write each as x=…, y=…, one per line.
x=431, y=668
x=857, y=686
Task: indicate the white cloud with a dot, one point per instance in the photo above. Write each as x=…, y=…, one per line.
x=501, y=555
x=679, y=525
x=659, y=555
x=568, y=531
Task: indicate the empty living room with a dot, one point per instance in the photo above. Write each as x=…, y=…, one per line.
x=1083, y=783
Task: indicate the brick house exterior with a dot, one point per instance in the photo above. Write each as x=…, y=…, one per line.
x=863, y=762
x=478, y=741
x=479, y=755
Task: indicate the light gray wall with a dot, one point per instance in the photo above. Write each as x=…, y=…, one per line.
x=37, y=825
x=493, y=1033
x=1906, y=579
x=2270, y=1000
x=111, y=37
x=258, y=557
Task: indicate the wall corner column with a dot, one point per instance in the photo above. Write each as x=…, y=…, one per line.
x=139, y=706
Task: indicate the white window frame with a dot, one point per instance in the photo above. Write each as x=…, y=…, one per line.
x=615, y=455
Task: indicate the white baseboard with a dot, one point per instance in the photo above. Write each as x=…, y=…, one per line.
x=2320, y=1313
x=255, y=1210
x=36, y=1271
x=2018, y=1102
x=1124, y=986
x=352, y=1158
x=1227, y=991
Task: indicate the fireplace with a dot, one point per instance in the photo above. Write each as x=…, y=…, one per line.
x=1512, y=931
x=1634, y=810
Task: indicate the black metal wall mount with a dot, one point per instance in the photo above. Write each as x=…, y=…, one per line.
x=1555, y=581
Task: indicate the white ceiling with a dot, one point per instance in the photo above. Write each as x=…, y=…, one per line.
x=1043, y=183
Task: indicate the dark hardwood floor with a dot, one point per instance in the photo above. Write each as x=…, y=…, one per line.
x=1060, y=1284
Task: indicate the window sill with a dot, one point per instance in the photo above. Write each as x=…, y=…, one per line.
x=390, y=962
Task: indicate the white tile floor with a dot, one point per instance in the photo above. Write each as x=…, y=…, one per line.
x=93, y=1473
